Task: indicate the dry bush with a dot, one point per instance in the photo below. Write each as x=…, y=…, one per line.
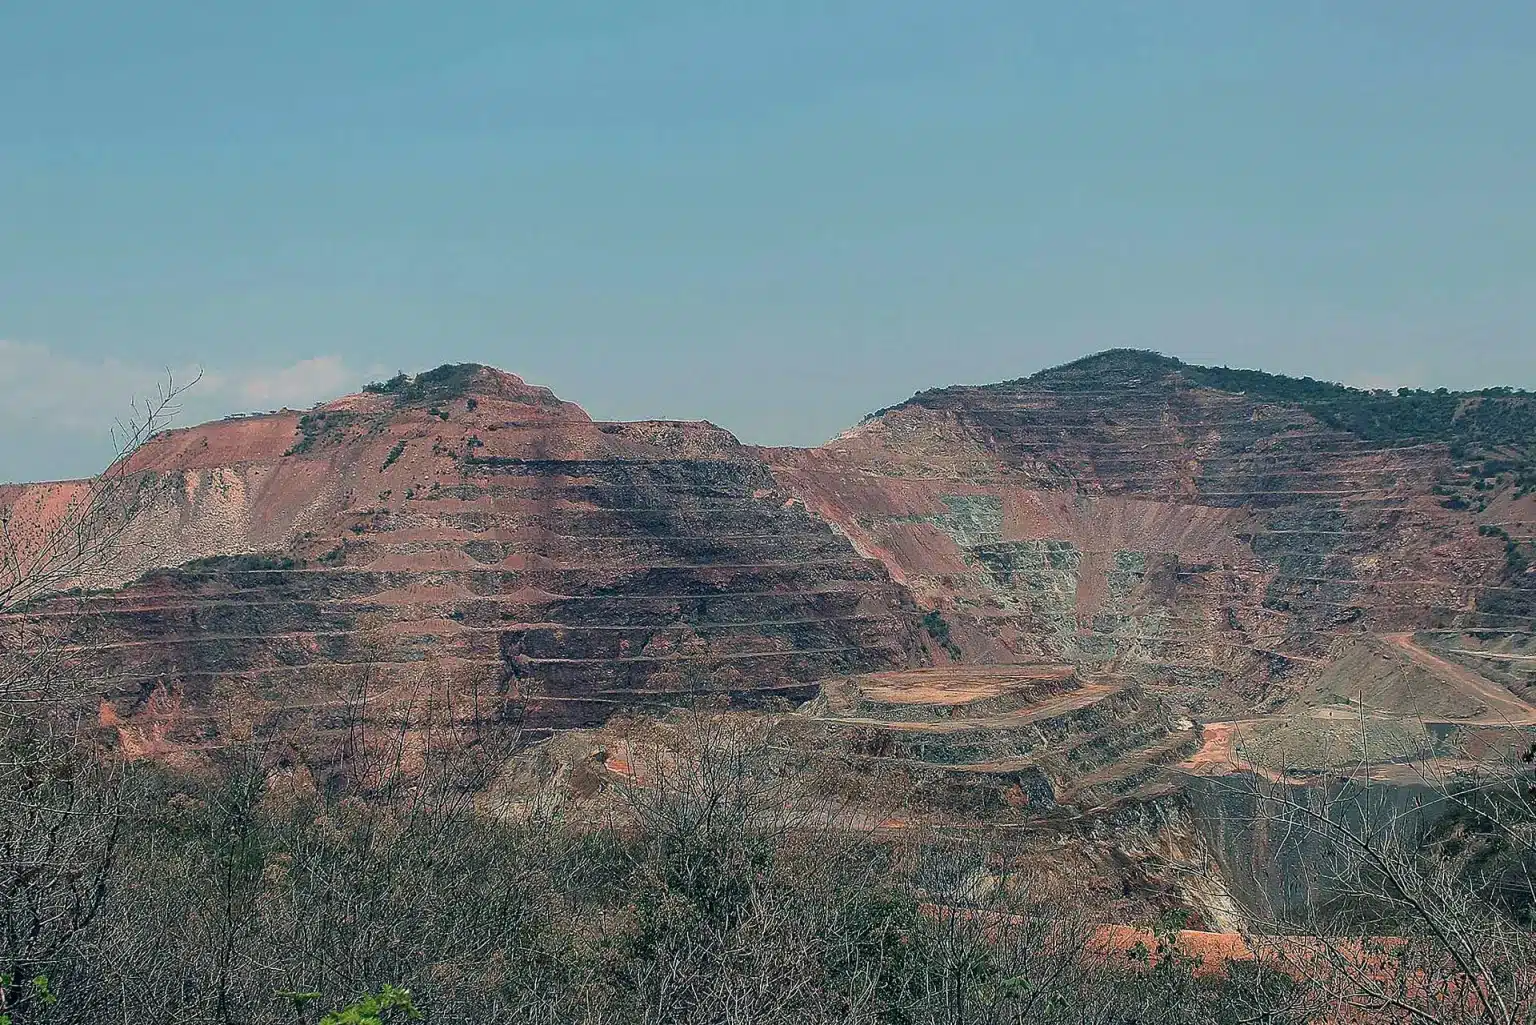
x=61, y=804
x=722, y=890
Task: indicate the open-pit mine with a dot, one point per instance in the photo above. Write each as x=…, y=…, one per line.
x=1070, y=605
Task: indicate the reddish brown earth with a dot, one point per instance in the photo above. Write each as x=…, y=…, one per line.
x=1111, y=515
x=480, y=527
x=1056, y=605
x=1212, y=553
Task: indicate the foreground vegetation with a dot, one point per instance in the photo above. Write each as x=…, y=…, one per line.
x=146, y=896
x=717, y=889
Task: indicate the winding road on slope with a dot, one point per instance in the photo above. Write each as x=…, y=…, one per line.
x=1503, y=707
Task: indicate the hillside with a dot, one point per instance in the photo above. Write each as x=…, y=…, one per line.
x=1227, y=543
x=466, y=521
x=1225, y=532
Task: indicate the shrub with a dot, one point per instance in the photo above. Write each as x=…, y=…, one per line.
x=314, y=428
x=389, y=387
x=708, y=899
x=389, y=1003
x=236, y=563
x=1515, y=560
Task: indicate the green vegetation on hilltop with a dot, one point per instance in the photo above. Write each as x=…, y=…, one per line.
x=1487, y=418
x=1491, y=432
x=1484, y=420
x=389, y=387
x=446, y=381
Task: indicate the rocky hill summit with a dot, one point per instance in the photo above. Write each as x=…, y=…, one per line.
x=1224, y=543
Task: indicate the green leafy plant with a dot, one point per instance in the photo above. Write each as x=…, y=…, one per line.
x=389, y=1004
x=40, y=990
x=314, y=428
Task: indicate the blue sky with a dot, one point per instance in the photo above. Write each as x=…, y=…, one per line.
x=776, y=216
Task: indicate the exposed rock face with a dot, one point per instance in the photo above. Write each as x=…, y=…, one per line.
x=1115, y=514
x=1216, y=540
x=470, y=522
x=1017, y=604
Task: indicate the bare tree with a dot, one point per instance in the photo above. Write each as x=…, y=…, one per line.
x=42, y=554
x=60, y=802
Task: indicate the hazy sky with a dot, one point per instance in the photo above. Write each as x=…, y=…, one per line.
x=772, y=214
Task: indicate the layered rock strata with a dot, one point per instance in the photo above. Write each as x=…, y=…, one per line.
x=1113, y=514
x=1229, y=542
x=469, y=526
